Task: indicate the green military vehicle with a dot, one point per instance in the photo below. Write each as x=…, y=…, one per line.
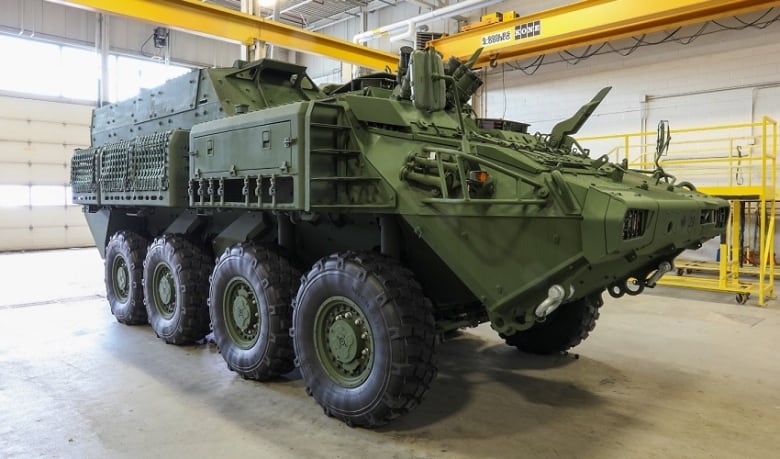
x=344, y=229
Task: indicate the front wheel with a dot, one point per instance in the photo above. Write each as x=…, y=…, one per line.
x=364, y=338
x=563, y=329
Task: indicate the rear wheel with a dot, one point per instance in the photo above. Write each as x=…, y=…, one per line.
x=563, y=329
x=176, y=279
x=250, y=306
x=364, y=338
x=125, y=254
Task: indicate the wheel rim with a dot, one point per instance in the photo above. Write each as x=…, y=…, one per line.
x=344, y=342
x=120, y=279
x=241, y=313
x=164, y=288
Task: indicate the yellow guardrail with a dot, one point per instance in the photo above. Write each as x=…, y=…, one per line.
x=734, y=161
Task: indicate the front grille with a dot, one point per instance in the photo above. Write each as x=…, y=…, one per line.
x=716, y=216
x=634, y=223
x=721, y=216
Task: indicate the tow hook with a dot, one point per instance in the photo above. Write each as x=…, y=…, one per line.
x=555, y=296
x=663, y=268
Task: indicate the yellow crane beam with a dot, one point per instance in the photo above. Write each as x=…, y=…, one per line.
x=224, y=23
x=584, y=23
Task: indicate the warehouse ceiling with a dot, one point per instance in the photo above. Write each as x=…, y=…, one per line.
x=316, y=14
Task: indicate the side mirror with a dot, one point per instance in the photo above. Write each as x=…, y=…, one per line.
x=662, y=142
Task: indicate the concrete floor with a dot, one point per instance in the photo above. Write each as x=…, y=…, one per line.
x=671, y=373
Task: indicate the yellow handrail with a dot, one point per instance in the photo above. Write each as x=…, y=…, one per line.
x=714, y=155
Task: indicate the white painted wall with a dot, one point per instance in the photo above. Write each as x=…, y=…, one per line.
x=717, y=79
x=37, y=139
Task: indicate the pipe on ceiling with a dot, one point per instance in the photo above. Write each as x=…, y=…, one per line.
x=411, y=24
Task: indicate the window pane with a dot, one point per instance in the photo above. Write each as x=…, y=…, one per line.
x=27, y=66
x=128, y=75
x=14, y=195
x=47, y=195
x=79, y=74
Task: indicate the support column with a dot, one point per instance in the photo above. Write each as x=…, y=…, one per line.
x=349, y=71
x=103, y=48
x=271, y=49
x=256, y=50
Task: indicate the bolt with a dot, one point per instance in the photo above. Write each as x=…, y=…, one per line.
x=358, y=321
x=364, y=335
x=348, y=315
x=364, y=352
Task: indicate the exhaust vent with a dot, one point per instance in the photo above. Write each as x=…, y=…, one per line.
x=634, y=223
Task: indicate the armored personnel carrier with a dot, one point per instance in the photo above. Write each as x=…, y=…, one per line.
x=344, y=229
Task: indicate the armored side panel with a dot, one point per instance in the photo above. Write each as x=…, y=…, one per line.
x=200, y=96
x=83, y=176
x=299, y=156
x=177, y=104
x=147, y=170
x=250, y=160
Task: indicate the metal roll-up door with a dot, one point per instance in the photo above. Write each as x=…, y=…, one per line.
x=37, y=139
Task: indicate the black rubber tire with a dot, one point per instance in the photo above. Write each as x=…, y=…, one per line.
x=190, y=267
x=274, y=282
x=563, y=329
x=402, y=328
x=131, y=249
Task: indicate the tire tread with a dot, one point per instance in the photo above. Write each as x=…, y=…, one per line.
x=563, y=330
x=134, y=247
x=281, y=272
x=416, y=332
x=194, y=267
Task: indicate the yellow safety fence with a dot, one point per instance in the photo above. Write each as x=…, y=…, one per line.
x=736, y=162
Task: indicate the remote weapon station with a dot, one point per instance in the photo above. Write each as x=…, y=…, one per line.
x=343, y=229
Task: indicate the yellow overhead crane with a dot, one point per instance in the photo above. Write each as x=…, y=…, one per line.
x=584, y=23
x=231, y=25
x=570, y=26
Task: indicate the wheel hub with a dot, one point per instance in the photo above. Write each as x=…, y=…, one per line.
x=164, y=291
x=121, y=279
x=241, y=313
x=344, y=341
